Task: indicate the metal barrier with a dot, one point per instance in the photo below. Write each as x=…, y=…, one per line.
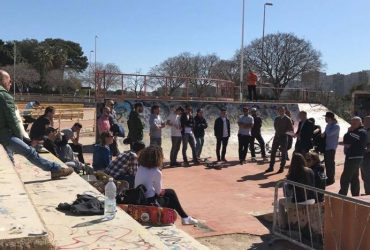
x=302, y=223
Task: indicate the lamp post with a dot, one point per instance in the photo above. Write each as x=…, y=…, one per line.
x=263, y=33
x=96, y=37
x=242, y=57
x=14, y=62
x=91, y=51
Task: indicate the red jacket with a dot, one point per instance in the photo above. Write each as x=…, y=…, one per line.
x=252, y=79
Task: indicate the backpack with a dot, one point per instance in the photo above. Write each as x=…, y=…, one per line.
x=135, y=196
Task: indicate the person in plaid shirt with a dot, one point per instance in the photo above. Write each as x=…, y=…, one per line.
x=124, y=167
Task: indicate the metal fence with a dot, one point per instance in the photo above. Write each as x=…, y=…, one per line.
x=304, y=223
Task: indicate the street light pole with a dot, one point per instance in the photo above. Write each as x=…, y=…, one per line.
x=91, y=51
x=263, y=33
x=14, y=61
x=242, y=57
x=96, y=37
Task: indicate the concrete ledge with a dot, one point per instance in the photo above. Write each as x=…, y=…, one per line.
x=21, y=226
x=79, y=232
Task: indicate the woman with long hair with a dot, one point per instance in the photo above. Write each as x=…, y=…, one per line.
x=299, y=172
x=313, y=162
x=149, y=174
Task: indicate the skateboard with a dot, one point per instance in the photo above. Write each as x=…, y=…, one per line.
x=102, y=179
x=214, y=164
x=151, y=215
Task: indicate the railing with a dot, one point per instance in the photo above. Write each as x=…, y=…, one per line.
x=304, y=223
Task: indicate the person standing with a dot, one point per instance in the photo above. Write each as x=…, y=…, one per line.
x=156, y=124
x=354, y=148
x=290, y=137
x=304, y=134
x=282, y=125
x=11, y=136
x=245, y=124
x=365, y=166
x=176, y=136
x=27, y=113
x=135, y=125
x=256, y=135
x=187, y=125
x=252, y=85
x=331, y=135
x=222, y=133
x=200, y=124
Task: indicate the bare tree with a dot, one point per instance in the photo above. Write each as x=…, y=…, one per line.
x=135, y=84
x=285, y=58
x=25, y=75
x=107, y=77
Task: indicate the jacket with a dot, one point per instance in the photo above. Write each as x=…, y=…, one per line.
x=305, y=132
x=186, y=122
x=256, y=129
x=200, y=124
x=219, y=127
x=135, y=127
x=9, y=123
x=282, y=125
x=355, y=143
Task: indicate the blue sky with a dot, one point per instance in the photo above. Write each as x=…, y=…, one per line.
x=139, y=34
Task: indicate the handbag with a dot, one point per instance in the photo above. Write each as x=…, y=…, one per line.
x=135, y=196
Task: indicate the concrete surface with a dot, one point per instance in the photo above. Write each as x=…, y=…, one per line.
x=21, y=226
x=79, y=232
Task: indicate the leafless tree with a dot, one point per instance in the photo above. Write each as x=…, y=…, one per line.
x=135, y=84
x=25, y=75
x=107, y=76
x=286, y=57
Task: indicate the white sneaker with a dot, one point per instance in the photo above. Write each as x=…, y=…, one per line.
x=189, y=221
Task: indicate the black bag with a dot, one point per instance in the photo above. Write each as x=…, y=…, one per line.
x=83, y=205
x=118, y=130
x=135, y=196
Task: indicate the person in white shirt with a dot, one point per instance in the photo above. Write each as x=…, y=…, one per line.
x=245, y=124
x=176, y=136
x=222, y=133
x=149, y=174
x=156, y=124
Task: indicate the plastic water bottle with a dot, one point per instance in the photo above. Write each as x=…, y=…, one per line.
x=110, y=199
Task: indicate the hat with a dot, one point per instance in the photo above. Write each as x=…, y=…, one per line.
x=330, y=115
x=223, y=109
x=50, y=130
x=253, y=109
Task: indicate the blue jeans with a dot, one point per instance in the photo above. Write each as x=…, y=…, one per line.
x=17, y=146
x=199, y=141
x=155, y=141
x=188, y=138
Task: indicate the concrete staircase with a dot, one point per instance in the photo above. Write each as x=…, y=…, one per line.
x=44, y=227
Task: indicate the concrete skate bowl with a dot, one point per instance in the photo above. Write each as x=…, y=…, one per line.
x=211, y=111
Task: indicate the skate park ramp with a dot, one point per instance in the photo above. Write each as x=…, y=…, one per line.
x=211, y=110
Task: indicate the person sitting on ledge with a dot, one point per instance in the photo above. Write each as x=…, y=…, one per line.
x=102, y=155
x=149, y=174
x=11, y=136
x=124, y=167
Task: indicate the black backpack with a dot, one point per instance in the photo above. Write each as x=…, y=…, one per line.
x=135, y=196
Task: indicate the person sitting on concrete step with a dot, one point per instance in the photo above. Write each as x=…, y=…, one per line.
x=102, y=155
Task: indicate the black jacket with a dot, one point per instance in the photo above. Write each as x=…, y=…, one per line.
x=135, y=127
x=320, y=180
x=305, y=132
x=256, y=129
x=186, y=122
x=356, y=140
x=219, y=127
x=200, y=124
x=38, y=130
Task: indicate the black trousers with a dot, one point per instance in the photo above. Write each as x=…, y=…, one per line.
x=252, y=93
x=170, y=200
x=350, y=176
x=261, y=142
x=329, y=159
x=224, y=142
x=244, y=143
x=282, y=142
x=78, y=148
